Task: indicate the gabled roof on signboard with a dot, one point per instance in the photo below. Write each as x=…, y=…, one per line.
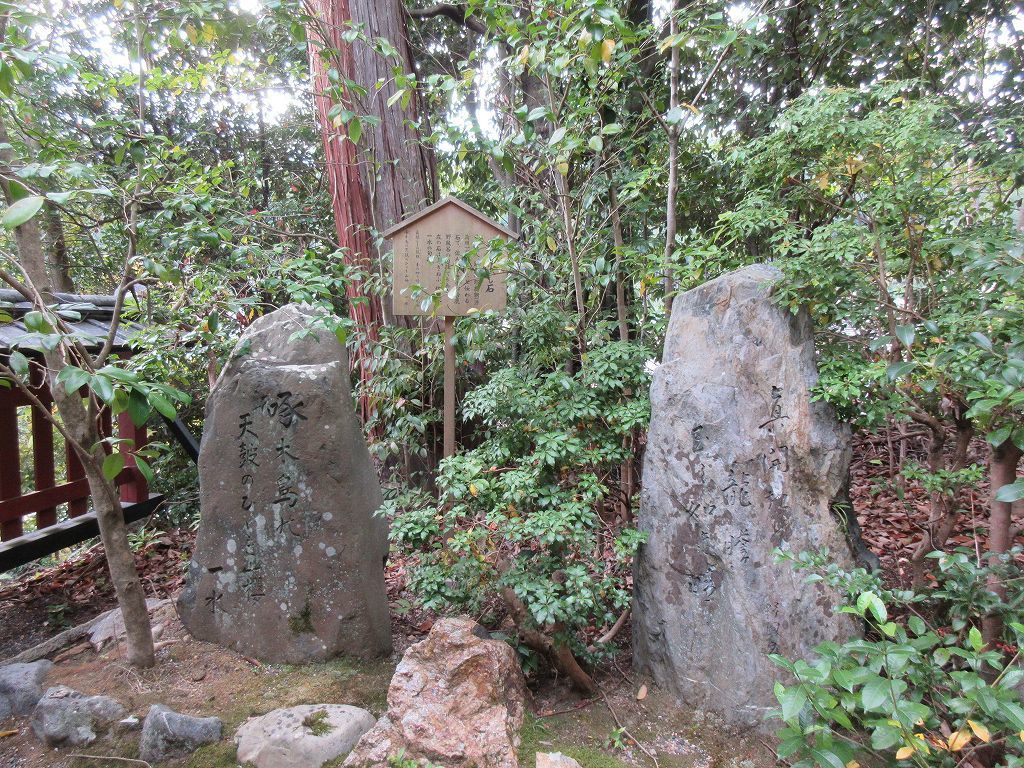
x=443, y=203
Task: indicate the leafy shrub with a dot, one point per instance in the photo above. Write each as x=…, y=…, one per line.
x=533, y=517
x=922, y=688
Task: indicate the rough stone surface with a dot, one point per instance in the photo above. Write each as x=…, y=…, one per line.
x=65, y=717
x=739, y=461
x=457, y=699
x=110, y=629
x=288, y=563
x=285, y=738
x=555, y=760
x=128, y=724
x=167, y=734
x=21, y=687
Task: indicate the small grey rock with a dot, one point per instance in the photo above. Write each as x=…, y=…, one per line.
x=64, y=716
x=167, y=734
x=555, y=760
x=309, y=735
x=131, y=723
x=21, y=687
x=110, y=629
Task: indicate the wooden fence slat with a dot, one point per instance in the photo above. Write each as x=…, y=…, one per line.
x=10, y=467
x=17, y=507
x=135, y=490
x=75, y=472
x=42, y=463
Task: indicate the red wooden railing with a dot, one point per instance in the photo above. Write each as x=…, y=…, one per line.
x=15, y=506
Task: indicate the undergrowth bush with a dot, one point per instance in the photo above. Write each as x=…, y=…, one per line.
x=921, y=688
x=533, y=521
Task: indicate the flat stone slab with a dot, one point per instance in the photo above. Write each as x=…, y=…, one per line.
x=308, y=735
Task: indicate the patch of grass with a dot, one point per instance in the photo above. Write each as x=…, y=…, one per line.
x=556, y=735
x=120, y=745
x=219, y=755
x=316, y=722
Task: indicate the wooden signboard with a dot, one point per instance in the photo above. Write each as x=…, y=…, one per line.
x=425, y=246
x=427, y=243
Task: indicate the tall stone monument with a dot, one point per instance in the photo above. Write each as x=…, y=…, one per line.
x=288, y=563
x=739, y=461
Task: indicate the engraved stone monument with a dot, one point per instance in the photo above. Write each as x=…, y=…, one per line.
x=739, y=461
x=288, y=563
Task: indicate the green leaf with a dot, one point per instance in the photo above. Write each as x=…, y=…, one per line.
x=897, y=370
x=73, y=378
x=917, y=625
x=23, y=210
x=596, y=143
x=112, y=465
x=976, y=640
x=355, y=130
x=556, y=137
x=103, y=388
x=36, y=322
x=18, y=363
x=119, y=374
x=826, y=757
x=793, y=700
x=875, y=694
x=138, y=408
x=905, y=333
x=885, y=737
x=396, y=96
x=982, y=341
x=1012, y=492
x=869, y=601
x=144, y=469
x=162, y=405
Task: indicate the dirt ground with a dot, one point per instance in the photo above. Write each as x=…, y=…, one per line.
x=204, y=679
x=200, y=678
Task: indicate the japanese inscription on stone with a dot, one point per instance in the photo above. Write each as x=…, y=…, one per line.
x=740, y=461
x=287, y=565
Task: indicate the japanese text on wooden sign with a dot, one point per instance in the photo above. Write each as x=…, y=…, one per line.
x=425, y=247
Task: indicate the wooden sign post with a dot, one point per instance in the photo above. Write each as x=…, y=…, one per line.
x=424, y=244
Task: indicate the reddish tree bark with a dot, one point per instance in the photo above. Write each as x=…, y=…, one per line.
x=389, y=174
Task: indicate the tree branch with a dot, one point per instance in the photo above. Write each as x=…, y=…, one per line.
x=457, y=13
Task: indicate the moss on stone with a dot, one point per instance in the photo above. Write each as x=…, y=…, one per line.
x=302, y=622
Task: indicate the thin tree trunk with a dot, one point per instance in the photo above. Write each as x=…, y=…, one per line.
x=1002, y=471
x=59, y=264
x=131, y=597
x=673, y=166
x=559, y=655
x=943, y=514
x=621, y=310
x=81, y=425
